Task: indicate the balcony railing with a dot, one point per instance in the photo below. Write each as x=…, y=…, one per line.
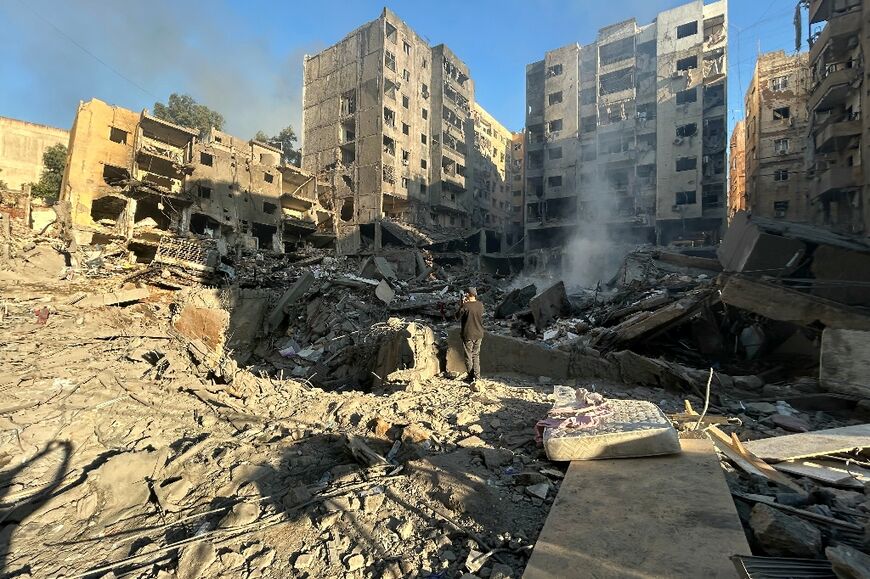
x=837, y=133
x=835, y=179
x=834, y=87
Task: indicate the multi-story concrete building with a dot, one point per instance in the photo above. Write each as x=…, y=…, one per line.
x=391, y=121
x=22, y=145
x=134, y=178
x=775, y=134
x=490, y=172
x=628, y=133
x=838, y=183
x=737, y=169
x=518, y=193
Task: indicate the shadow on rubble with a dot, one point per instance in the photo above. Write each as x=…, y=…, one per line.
x=16, y=509
x=362, y=493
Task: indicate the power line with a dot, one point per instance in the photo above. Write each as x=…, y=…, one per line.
x=88, y=52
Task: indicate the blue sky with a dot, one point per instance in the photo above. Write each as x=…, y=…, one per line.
x=245, y=58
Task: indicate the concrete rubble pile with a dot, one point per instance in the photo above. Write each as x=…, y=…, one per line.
x=300, y=414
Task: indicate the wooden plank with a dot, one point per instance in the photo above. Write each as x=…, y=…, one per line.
x=844, y=365
x=737, y=452
x=787, y=305
x=827, y=471
x=667, y=516
x=810, y=444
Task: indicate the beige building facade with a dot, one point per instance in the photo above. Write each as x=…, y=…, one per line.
x=22, y=146
x=776, y=137
x=491, y=172
x=737, y=169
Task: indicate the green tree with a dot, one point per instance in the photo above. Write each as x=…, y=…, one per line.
x=286, y=141
x=53, y=165
x=183, y=110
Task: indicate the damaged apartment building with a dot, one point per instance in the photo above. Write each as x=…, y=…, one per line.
x=390, y=121
x=775, y=137
x=134, y=178
x=629, y=133
x=838, y=184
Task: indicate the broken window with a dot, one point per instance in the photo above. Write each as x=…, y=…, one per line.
x=404, y=182
x=780, y=208
x=390, y=32
x=108, y=208
x=687, y=29
x=424, y=113
x=406, y=47
x=389, y=146
x=346, y=213
x=389, y=174
x=348, y=155
x=616, y=81
x=555, y=98
x=688, y=130
x=390, y=89
x=780, y=175
x=113, y=175
x=389, y=117
x=269, y=208
x=685, y=198
x=554, y=70
x=204, y=192
x=390, y=60
x=779, y=83
x=555, y=153
x=646, y=112
x=687, y=63
x=780, y=146
x=687, y=96
x=405, y=101
x=206, y=159
x=406, y=75
x=424, y=91
x=348, y=103
x=117, y=135
x=687, y=164
x=781, y=113
x=554, y=181
x=554, y=126
x=406, y=157
x=268, y=177
x=714, y=95
x=424, y=63
x=616, y=51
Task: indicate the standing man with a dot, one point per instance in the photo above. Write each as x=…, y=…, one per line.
x=471, y=316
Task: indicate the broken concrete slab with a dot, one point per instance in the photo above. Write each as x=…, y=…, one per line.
x=782, y=535
x=505, y=354
x=515, y=301
x=408, y=354
x=787, y=305
x=654, y=498
x=384, y=292
x=809, y=444
x=845, y=362
x=115, y=298
x=549, y=305
x=296, y=291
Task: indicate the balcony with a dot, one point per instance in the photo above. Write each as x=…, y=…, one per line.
x=617, y=156
x=835, y=179
x=820, y=10
x=836, y=35
x=836, y=135
x=833, y=89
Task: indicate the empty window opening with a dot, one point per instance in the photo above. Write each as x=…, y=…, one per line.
x=406, y=157
x=714, y=95
x=204, y=225
x=347, y=209
x=406, y=129
x=554, y=125
x=687, y=63
x=555, y=98
x=269, y=208
x=404, y=182
x=423, y=138
x=688, y=130
x=405, y=101
x=687, y=29
x=108, y=210
x=206, y=159
x=687, y=96
x=390, y=89
x=391, y=32
x=554, y=181
x=268, y=177
x=406, y=75
x=685, y=198
x=424, y=113
x=348, y=103
x=423, y=164
x=153, y=208
x=113, y=175
x=616, y=81
x=687, y=164
x=781, y=113
x=348, y=155
x=117, y=135
x=263, y=234
x=389, y=117
x=204, y=192
x=389, y=145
